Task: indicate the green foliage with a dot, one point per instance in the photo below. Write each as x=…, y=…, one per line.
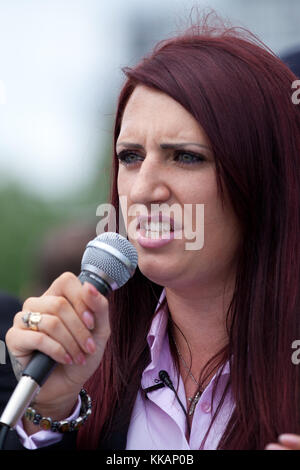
x=24, y=219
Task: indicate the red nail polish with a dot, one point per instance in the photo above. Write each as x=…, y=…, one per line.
x=90, y=345
x=80, y=359
x=88, y=320
x=93, y=290
x=68, y=359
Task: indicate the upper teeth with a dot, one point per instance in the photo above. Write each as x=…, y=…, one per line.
x=157, y=226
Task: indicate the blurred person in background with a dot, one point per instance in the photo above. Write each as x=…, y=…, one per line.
x=61, y=250
x=206, y=118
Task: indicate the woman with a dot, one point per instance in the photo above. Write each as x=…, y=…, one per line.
x=207, y=119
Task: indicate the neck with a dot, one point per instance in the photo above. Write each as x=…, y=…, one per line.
x=199, y=317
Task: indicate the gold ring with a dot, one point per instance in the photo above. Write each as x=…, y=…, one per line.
x=32, y=319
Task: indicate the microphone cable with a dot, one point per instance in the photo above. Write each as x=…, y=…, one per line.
x=165, y=378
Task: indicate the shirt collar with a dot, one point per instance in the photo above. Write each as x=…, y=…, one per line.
x=157, y=339
x=158, y=329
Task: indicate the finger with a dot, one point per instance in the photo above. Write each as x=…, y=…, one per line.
x=274, y=446
x=85, y=299
x=292, y=441
x=54, y=327
x=98, y=304
x=60, y=307
x=68, y=285
x=35, y=340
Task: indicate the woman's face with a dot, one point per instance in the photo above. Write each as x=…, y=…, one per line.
x=166, y=161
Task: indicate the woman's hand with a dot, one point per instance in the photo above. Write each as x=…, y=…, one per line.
x=285, y=442
x=73, y=330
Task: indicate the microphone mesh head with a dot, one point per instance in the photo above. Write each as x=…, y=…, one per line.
x=111, y=264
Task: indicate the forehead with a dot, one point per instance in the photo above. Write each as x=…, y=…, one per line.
x=150, y=110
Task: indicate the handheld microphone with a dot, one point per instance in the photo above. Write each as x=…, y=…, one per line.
x=108, y=262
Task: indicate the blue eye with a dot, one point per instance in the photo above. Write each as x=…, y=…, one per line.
x=181, y=157
x=188, y=158
x=128, y=157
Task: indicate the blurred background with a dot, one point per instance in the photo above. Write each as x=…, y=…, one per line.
x=60, y=75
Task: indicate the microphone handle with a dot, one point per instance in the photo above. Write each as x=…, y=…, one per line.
x=39, y=367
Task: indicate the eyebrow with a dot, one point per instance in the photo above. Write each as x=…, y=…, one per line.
x=164, y=146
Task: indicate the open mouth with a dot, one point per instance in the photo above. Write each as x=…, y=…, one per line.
x=156, y=227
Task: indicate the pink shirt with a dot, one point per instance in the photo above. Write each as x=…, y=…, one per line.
x=159, y=422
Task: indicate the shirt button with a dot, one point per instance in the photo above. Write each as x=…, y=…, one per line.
x=206, y=407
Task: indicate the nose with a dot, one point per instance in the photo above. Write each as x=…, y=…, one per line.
x=150, y=184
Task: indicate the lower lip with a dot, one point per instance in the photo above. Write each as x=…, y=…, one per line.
x=147, y=242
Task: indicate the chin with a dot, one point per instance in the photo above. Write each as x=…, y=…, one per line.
x=154, y=271
x=163, y=275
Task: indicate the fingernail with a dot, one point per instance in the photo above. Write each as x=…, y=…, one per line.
x=88, y=319
x=90, y=345
x=80, y=359
x=272, y=447
x=92, y=290
x=68, y=359
x=291, y=438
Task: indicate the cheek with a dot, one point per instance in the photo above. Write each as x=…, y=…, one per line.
x=200, y=205
x=120, y=182
x=122, y=204
x=221, y=234
x=220, y=229
x=123, y=186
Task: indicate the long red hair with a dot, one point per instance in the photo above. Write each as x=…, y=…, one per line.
x=240, y=93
